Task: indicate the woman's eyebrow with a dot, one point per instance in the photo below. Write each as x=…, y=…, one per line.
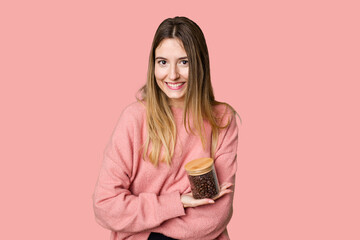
x=166, y=59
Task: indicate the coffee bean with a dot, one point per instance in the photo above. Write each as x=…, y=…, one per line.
x=205, y=185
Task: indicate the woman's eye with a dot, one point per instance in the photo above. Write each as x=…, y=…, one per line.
x=163, y=62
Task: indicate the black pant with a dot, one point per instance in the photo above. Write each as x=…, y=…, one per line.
x=159, y=236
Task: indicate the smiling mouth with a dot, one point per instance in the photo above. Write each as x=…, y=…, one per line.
x=175, y=86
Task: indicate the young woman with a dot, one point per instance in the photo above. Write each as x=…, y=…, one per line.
x=143, y=191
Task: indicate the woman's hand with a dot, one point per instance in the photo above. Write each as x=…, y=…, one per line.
x=189, y=201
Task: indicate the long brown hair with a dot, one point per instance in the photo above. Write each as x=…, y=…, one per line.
x=199, y=97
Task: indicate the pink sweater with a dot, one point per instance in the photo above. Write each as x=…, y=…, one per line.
x=132, y=198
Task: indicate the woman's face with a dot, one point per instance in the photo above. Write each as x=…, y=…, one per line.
x=172, y=70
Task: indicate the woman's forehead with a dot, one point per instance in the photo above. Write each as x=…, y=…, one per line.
x=170, y=46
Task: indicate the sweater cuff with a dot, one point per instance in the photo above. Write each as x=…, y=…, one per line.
x=172, y=206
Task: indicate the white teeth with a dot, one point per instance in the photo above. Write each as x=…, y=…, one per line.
x=175, y=85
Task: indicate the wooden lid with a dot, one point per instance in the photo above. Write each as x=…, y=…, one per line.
x=199, y=166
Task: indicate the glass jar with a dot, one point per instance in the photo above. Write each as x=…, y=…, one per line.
x=202, y=176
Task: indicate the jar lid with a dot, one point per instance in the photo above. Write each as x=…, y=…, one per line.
x=199, y=166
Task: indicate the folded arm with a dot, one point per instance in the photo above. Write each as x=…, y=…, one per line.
x=115, y=207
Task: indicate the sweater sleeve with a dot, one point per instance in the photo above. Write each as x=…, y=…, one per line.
x=209, y=221
x=115, y=207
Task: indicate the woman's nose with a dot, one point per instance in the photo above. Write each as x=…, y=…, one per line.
x=173, y=73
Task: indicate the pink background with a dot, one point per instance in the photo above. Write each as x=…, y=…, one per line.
x=290, y=68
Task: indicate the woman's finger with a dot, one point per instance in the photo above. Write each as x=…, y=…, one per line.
x=222, y=193
x=225, y=186
x=203, y=202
